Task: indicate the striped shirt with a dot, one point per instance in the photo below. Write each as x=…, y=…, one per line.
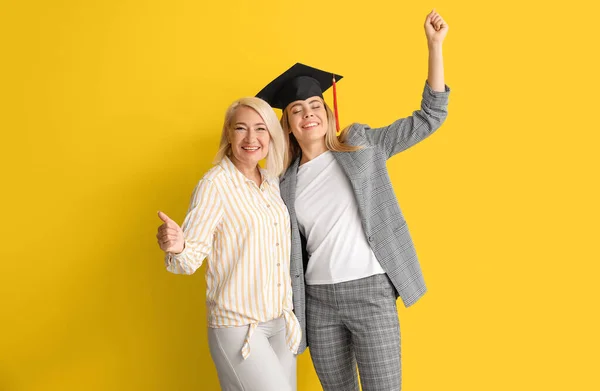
x=244, y=230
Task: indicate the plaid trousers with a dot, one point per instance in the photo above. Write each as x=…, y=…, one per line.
x=354, y=323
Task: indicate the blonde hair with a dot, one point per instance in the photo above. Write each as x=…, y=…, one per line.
x=277, y=143
x=333, y=142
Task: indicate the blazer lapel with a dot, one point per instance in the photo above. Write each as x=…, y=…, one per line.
x=347, y=162
x=287, y=187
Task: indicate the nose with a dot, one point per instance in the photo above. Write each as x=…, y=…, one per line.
x=250, y=135
x=308, y=114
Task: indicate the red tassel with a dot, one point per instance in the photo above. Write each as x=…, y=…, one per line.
x=335, y=108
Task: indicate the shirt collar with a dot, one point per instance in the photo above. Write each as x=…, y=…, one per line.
x=238, y=178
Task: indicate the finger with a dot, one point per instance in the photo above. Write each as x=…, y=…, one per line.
x=171, y=224
x=169, y=237
x=162, y=237
x=433, y=22
x=173, y=234
x=163, y=229
x=170, y=234
x=165, y=244
x=428, y=17
x=164, y=217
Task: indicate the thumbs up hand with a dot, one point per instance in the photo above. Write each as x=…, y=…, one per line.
x=170, y=235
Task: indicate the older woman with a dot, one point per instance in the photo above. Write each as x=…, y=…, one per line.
x=238, y=221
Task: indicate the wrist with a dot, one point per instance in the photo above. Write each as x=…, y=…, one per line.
x=178, y=252
x=434, y=46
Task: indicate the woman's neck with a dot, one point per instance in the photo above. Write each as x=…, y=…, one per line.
x=311, y=151
x=251, y=172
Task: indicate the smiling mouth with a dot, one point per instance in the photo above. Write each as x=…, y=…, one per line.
x=310, y=125
x=250, y=149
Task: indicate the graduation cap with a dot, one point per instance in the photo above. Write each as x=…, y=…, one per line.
x=300, y=82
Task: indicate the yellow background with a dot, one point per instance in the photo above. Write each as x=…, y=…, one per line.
x=112, y=110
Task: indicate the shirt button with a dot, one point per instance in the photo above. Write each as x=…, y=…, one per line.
x=278, y=264
x=275, y=223
x=371, y=239
x=268, y=206
x=276, y=244
x=278, y=284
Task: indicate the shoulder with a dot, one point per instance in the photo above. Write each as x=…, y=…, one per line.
x=215, y=173
x=214, y=180
x=355, y=134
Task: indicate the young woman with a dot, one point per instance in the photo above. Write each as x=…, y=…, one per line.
x=237, y=219
x=352, y=254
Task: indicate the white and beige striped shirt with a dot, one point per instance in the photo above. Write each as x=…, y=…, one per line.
x=244, y=230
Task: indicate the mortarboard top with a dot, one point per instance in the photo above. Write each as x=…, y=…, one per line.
x=300, y=82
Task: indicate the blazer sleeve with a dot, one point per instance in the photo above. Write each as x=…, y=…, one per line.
x=406, y=132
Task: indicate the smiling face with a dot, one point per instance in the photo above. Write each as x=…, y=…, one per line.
x=249, y=137
x=308, y=120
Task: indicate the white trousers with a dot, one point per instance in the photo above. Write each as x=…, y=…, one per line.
x=271, y=366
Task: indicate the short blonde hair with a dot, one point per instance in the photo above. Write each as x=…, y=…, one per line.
x=277, y=143
x=333, y=142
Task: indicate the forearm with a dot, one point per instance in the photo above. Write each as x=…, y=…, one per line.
x=435, y=75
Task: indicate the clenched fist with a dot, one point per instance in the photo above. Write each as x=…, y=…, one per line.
x=435, y=28
x=170, y=235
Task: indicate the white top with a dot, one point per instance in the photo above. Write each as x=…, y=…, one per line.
x=329, y=219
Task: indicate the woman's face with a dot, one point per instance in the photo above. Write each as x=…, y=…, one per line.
x=308, y=119
x=249, y=137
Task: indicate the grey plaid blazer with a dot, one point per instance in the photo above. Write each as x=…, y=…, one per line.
x=380, y=213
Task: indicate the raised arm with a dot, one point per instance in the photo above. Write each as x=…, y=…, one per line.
x=406, y=132
x=435, y=31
